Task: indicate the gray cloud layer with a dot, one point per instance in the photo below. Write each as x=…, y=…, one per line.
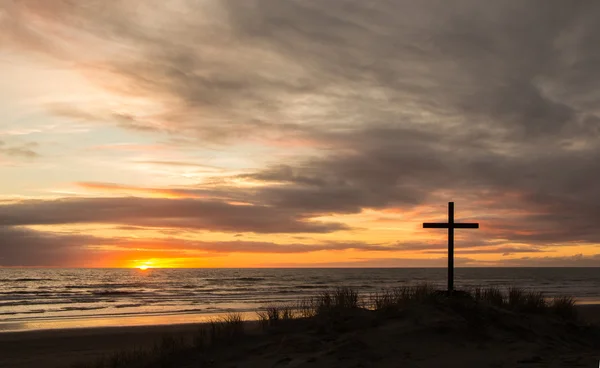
x=27, y=247
x=180, y=213
x=405, y=101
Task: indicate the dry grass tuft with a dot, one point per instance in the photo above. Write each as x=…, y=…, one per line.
x=398, y=298
x=563, y=307
x=490, y=295
x=521, y=300
x=343, y=298
x=271, y=315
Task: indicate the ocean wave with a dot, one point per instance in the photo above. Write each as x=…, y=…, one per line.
x=106, y=286
x=129, y=305
x=80, y=308
x=25, y=279
x=18, y=303
x=25, y=292
x=236, y=279
x=312, y=287
x=113, y=292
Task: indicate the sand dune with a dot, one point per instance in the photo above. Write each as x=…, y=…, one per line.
x=426, y=336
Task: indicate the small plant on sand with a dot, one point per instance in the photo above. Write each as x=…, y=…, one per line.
x=343, y=298
x=535, y=301
x=223, y=330
x=490, y=295
x=397, y=298
x=526, y=301
x=287, y=312
x=232, y=326
x=563, y=307
x=306, y=308
x=516, y=297
x=423, y=292
x=263, y=318
x=384, y=301
x=272, y=314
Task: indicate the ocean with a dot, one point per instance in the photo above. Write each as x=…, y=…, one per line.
x=65, y=298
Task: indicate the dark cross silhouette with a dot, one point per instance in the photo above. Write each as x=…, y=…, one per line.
x=450, y=225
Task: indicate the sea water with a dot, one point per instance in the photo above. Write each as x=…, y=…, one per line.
x=64, y=298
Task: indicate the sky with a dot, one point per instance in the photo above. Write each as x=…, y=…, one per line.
x=298, y=133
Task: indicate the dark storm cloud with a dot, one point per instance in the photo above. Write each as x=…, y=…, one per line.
x=26, y=247
x=175, y=213
x=409, y=101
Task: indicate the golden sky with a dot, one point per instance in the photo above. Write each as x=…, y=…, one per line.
x=271, y=133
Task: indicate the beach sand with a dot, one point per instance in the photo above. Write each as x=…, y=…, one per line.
x=59, y=348
x=423, y=338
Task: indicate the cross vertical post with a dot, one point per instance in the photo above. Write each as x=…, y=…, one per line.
x=450, y=225
x=450, y=247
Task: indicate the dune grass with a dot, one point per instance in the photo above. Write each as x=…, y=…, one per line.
x=343, y=298
x=564, y=307
x=526, y=301
x=395, y=299
x=223, y=330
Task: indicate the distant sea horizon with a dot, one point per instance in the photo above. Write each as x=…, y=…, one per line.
x=47, y=298
x=268, y=268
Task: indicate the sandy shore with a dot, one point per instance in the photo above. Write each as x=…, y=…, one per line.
x=590, y=312
x=60, y=348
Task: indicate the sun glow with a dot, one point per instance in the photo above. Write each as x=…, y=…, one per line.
x=144, y=265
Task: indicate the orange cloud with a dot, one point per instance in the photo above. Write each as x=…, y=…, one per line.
x=152, y=192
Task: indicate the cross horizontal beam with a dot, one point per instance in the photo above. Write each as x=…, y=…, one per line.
x=445, y=225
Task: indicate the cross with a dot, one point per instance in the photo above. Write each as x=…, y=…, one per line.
x=450, y=225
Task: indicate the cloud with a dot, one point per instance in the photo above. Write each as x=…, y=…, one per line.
x=505, y=250
x=390, y=262
x=321, y=66
x=21, y=246
x=240, y=246
x=25, y=247
x=578, y=260
x=161, y=192
x=24, y=150
x=181, y=164
x=405, y=104
x=163, y=213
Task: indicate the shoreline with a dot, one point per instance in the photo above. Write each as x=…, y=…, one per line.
x=141, y=320
x=168, y=319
